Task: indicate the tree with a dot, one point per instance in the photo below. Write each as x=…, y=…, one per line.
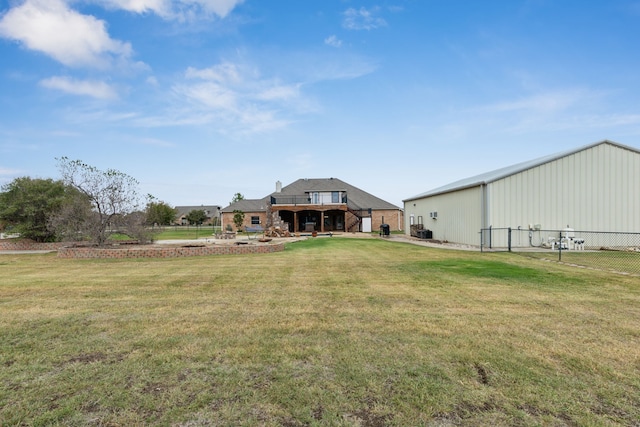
x=112, y=194
x=160, y=213
x=196, y=217
x=238, y=215
x=74, y=218
x=238, y=219
x=135, y=226
x=236, y=198
x=27, y=205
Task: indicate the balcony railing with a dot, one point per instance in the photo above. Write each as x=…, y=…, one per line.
x=304, y=200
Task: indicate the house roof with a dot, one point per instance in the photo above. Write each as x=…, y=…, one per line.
x=495, y=175
x=247, y=205
x=184, y=210
x=356, y=198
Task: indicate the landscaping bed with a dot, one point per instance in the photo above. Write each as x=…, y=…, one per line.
x=166, y=251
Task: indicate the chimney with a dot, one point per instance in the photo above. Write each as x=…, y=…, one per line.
x=278, y=187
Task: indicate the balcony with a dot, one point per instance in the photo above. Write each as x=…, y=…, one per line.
x=305, y=200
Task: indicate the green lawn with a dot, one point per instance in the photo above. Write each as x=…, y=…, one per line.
x=185, y=232
x=338, y=332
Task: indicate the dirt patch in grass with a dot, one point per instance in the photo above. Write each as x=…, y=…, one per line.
x=88, y=358
x=483, y=374
x=367, y=418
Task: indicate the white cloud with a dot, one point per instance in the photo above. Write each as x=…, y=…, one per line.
x=230, y=84
x=219, y=7
x=175, y=9
x=51, y=27
x=544, y=103
x=221, y=73
x=575, y=110
x=362, y=19
x=95, y=89
x=275, y=91
x=210, y=95
x=159, y=7
x=333, y=41
x=234, y=98
x=343, y=68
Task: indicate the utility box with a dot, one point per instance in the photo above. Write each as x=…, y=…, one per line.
x=425, y=234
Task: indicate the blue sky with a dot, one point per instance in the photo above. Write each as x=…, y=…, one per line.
x=200, y=99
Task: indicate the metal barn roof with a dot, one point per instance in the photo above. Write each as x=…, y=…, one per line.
x=495, y=175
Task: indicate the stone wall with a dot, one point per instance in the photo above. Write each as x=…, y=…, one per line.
x=29, y=245
x=164, y=251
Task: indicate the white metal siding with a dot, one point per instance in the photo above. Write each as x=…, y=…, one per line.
x=597, y=189
x=459, y=215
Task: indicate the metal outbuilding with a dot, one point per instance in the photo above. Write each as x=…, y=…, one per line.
x=595, y=187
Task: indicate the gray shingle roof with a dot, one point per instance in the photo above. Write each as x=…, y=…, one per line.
x=497, y=174
x=356, y=198
x=247, y=205
x=184, y=210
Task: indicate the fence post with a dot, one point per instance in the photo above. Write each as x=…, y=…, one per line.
x=509, y=238
x=560, y=247
x=490, y=247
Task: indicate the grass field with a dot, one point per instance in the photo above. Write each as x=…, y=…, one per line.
x=339, y=332
x=185, y=232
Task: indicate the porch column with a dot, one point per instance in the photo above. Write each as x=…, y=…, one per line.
x=322, y=221
x=295, y=222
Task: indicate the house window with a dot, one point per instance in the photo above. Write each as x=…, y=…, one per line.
x=255, y=220
x=335, y=197
x=412, y=219
x=316, y=198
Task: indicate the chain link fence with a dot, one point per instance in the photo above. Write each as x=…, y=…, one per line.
x=613, y=251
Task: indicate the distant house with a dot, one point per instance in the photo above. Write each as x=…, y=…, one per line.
x=591, y=188
x=212, y=212
x=323, y=205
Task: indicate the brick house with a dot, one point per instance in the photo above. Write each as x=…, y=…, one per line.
x=323, y=205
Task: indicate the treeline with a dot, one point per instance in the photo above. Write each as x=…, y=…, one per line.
x=86, y=204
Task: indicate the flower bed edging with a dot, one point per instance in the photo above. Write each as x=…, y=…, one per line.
x=162, y=251
x=29, y=245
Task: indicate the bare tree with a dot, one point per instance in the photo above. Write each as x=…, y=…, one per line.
x=74, y=218
x=135, y=226
x=112, y=194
